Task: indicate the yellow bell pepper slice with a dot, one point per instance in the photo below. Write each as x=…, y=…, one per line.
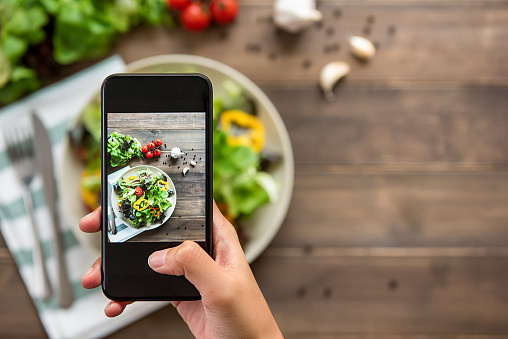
x=164, y=184
x=254, y=137
x=131, y=178
x=141, y=204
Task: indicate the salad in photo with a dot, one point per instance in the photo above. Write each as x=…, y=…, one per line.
x=144, y=198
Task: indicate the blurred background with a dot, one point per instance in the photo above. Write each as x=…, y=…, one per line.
x=396, y=189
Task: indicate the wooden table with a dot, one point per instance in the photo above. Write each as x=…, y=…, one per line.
x=398, y=227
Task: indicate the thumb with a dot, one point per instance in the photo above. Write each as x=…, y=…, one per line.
x=190, y=260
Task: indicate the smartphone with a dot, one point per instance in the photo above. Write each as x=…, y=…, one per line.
x=156, y=179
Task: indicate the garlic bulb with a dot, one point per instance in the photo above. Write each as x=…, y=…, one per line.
x=175, y=152
x=362, y=48
x=330, y=74
x=295, y=15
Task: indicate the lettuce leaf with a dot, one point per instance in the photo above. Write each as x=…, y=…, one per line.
x=235, y=177
x=122, y=148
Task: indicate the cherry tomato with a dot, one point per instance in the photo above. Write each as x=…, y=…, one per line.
x=157, y=152
x=150, y=145
x=224, y=11
x=149, y=155
x=195, y=18
x=138, y=191
x=178, y=4
x=157, y=142
x=144, y=149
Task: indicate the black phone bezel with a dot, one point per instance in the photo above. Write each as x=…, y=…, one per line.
x=126, y=275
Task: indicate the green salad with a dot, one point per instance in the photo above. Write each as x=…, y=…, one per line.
x=122, y=148
x=144, y=198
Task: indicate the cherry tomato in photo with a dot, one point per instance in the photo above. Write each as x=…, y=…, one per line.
x=144, y=149
x=138, y=191
x=157, y=152
x=178, y=5
x=157, y=142
x=224, y=11
x=149, y=155
x=150, y=145
x=195, y=18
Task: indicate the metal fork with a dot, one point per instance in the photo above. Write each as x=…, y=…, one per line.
x=20, y=150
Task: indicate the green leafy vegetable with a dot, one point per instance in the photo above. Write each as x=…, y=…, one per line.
x=236, y=177
x=79, y=30
x=122, y=148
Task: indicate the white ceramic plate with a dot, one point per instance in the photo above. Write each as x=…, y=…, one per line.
x=265, y=223
x=156, y=172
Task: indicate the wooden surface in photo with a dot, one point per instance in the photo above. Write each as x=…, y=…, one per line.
x=398, y=226
x=185, y=131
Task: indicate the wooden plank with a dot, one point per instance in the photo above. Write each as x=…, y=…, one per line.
x=432, y=42
x=386, y=295
x=158, y=121
x=175, y=229
x=18, y=316
x=396, y=296
x=392, y=210
x=394, y=125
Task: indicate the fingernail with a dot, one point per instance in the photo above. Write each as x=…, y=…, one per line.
x=89, y=270
x=90, y=214
x=157, y=259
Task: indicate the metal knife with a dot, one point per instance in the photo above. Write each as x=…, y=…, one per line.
x=45, y=161
x=112, y=224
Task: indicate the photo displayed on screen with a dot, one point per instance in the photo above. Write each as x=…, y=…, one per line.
x=156, y=177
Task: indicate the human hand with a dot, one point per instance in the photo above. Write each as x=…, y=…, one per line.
x=231, y=305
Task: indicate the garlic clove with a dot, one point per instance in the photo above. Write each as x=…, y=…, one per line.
x=330, y=74
x=361, y=47
x=185, y=170
x=193, y=163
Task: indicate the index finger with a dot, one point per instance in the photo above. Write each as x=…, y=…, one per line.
x=91, y=222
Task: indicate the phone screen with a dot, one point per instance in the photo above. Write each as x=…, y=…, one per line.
x=156, y=179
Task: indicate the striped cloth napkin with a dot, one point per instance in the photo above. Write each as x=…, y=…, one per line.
x=58, y=105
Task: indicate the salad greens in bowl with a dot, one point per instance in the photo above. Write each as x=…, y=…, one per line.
x=143, y=197
x=253, y=168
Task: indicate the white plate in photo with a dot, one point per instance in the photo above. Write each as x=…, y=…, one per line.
x=133, y=171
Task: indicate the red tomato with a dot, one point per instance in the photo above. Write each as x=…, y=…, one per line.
x=195, y=18
x=150, y=145
x=138, y=191
x=157, y=152
x=224, y=11
x=144, y=149
x=149, y=155
x=157, y=142
x=178, y=4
